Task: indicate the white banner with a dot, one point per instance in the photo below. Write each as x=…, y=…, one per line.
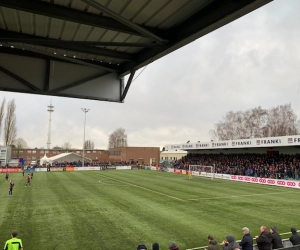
x=123, y=167
x=243, y=143
x=86, y=168
x=40, y=169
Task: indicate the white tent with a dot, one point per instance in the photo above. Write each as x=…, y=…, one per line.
x=44, y=160
x=69, y=157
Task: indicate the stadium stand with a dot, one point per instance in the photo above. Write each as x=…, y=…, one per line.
x=279, y=166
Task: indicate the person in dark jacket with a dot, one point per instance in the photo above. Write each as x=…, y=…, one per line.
x=295, y=238
x=155, y=246
x=276, y=238
x=230, y=243
x=213, y=244
x=264, y=240
x=247, y=241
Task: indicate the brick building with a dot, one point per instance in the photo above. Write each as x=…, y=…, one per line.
x=141, y=155
x=36, y=154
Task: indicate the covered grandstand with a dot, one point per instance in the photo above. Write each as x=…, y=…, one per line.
x=269, y=145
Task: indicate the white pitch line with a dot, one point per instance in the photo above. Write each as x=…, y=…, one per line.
x=236, y=196
x=111, y=184
x=153, y=191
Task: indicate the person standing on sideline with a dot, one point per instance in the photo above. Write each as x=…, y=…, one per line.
x=295, y=238
x=14, y=243
x=23, y=171
x=213, y=244
x=6, y=176
x=247, y=241
x=264, y=240
x=276, y=239
x=190, y=174
x=11, y=186
x=28, y=181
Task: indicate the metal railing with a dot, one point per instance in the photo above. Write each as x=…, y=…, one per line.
x=286, y=244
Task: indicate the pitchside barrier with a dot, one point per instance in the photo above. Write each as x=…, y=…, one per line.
x=249, y=179
x=71, y=169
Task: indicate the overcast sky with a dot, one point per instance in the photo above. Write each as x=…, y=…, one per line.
x=251, y=62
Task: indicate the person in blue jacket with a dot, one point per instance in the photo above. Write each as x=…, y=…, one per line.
x=247, y=241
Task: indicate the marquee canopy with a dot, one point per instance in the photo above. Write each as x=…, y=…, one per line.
x=84, y=48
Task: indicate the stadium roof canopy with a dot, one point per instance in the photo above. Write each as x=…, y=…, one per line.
x=268, y=142
x=84, y=48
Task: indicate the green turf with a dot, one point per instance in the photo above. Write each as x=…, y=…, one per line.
x=120, y=209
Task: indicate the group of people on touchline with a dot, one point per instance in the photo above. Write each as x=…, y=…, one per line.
x=267, y=240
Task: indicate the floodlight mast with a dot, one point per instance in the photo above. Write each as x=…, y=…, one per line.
x=85, y=111
x=50, y=110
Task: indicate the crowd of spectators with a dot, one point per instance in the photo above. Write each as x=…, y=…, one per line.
x=276, y=166
x=265, y=240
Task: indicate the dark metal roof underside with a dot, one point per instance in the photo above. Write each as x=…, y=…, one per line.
x=118, y=36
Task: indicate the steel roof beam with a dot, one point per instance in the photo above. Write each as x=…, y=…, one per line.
x=38, y=41
x=129, y=81
x=124, y=21
x=72, y=15
x=79, y=82
x=66, y=59
x=27, y=53
x=78, y=48
x=19, y=79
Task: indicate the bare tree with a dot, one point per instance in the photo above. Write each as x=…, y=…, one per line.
x=10, y=129
x=20, y=144
x=118, y=139
x=282, y=121
x=257, y=123
x=88, y=144
x=2, y=113
x=66, y=146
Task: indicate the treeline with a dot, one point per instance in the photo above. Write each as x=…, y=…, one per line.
x=257, y=123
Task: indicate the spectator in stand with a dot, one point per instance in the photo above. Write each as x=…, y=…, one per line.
x=295, y=238
x=276, y=238
x=141, y=247
x=247, y=241
x=230, y=243
x=155, y=246
x=213, y=244
x=173, y=246
x=264, y=240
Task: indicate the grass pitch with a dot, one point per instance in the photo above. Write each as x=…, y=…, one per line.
x=121, y=209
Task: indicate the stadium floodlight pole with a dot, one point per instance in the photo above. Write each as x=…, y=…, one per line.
x=85, y=111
